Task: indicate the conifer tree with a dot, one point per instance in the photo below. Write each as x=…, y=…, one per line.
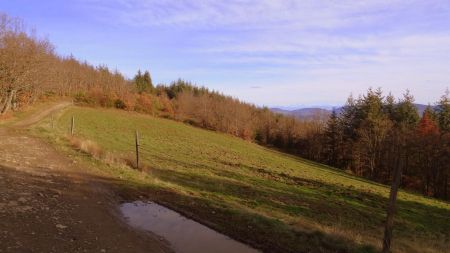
x=147, y=81
x=427, y=126
x=406, y=114
x=143, y=82
x=389, y=106
x=332, y=139
x=443, y=112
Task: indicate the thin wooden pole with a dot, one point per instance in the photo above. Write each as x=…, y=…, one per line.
x=72, y=125
x=53, y=124
x=391, y=209
x=137, y=149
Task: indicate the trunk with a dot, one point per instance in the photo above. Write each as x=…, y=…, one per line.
x=391, y=208
x=7, y=105
x=446, y=188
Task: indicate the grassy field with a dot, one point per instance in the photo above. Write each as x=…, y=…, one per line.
x=275, y=201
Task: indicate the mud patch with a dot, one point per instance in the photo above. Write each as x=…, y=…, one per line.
x=184, y=235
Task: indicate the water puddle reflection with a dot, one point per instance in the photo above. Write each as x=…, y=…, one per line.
x=184, y=235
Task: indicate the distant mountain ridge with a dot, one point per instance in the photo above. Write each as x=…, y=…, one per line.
x=305, y=113
x=321, y=113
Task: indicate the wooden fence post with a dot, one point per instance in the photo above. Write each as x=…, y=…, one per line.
x=137, y=149
x=72, y=126
x=391, y=210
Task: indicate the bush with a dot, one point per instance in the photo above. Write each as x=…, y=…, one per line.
x=80, y=97
x=106, y=100
x=119, y=104
x=143, y=103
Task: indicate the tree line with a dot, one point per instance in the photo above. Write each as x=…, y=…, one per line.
x=374, y=135
x=30, y=69
x=369, y=137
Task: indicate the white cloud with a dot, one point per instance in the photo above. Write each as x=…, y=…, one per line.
x=313, y=47
x=257, y=13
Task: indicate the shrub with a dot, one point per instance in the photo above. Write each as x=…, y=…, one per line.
x=119, y=104
x=80, y=97
x=143, y=103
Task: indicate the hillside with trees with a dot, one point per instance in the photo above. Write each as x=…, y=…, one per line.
x=373, y=135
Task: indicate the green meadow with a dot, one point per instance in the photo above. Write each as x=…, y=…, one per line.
x=271, y=200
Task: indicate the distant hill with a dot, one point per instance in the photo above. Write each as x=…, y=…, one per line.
x=421, y=108
x=321, y=113
x=305, y=113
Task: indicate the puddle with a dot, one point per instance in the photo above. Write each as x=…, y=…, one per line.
x=183, y=234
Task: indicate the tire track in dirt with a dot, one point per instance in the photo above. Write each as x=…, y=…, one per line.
x=33, y=119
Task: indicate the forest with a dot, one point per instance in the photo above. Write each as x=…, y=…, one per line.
x=370, y=137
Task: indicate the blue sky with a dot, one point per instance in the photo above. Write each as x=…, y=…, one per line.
x=267, y=52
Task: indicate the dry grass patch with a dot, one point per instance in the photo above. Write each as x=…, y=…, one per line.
x=87, y=147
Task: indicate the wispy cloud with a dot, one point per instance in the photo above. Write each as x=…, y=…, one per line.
x=329, y=43
x=251, y=13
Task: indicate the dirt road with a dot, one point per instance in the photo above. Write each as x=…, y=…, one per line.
x=48, y=203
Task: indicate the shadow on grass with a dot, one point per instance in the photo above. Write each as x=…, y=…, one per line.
x=268, y=234
x=326, y=204
x=321, y=202
x=261, y=232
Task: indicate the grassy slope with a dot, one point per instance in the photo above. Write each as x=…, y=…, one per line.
x=262, y=196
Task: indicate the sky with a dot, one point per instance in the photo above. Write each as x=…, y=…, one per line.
x=267, y=52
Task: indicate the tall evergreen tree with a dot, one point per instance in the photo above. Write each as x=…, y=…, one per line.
x=389, y=106
x=147, y=81
x=349, y=118
x=443, y=112
x=372, y=133
x=143, y=82
x=332, y=140
x=406, y=114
